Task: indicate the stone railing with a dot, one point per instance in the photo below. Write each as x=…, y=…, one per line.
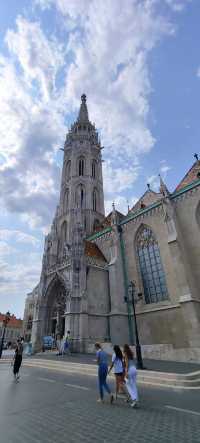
x=60, y=264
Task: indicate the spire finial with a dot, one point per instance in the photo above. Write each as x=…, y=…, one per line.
x=148, y=186
x=83, y=98
x=196, y=156
x=113, y=205
x=83, y=113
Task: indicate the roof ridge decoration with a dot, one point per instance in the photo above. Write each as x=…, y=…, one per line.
x=132, y=216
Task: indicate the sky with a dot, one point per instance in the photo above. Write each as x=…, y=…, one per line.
x=138, y=62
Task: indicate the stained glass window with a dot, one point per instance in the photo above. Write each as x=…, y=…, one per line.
x=152, y=273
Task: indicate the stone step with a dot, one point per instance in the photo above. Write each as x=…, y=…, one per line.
x=154, y=378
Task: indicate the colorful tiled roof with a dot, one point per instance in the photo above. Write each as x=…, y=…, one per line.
x=13, y=322
x=191, y=176
x=148, y=198
x=107, y=220
x=92, y=250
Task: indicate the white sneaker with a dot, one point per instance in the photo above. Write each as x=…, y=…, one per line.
x=133, y=404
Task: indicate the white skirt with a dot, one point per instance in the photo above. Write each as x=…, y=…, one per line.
x=131, y=383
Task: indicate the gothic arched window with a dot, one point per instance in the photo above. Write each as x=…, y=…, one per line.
x=80, y=196
x=63, y=233
x=152, y=273
x=68, y=170
x=94, y=168
x=66, y=200
x=81, y=166
x=62, y=239
x=94, y=200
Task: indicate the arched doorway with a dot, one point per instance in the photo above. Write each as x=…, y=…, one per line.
x=56, y=306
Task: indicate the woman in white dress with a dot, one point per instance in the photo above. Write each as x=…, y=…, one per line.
x=130, y=376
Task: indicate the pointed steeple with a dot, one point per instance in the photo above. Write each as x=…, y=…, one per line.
x=83, y=112
x=163, y=188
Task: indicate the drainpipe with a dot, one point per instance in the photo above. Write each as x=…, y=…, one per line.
x=126, y=283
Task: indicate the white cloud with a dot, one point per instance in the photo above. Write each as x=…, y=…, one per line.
x=121, y=204
x=16, y=281
x=119, y=179
x=177, y=5
x=9, y=235
x=198, y=72
x=39, y=57
x=32, y=124
x=111, y=56
x=5, y=249
x=106, y=58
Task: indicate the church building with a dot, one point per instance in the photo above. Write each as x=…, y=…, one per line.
x=93, y=265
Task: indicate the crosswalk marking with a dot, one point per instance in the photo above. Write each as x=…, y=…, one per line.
x=187, y=411
x=77, y=387
x=46, y=379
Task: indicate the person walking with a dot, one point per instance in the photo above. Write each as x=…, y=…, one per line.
x=102, y=361
x=59, y=344
x=118, y=365
x=17, y=359
x=130, y=375
x=66, y=344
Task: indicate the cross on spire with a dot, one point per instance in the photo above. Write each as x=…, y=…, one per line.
x=196, y=156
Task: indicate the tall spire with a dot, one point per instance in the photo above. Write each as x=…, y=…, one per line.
x=83, y=112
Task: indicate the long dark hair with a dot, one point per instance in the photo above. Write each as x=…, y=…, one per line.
x=118, y=352
x=128, y=352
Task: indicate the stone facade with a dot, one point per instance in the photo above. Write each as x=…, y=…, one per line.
x=89, y=260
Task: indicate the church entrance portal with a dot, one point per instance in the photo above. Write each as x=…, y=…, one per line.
x=56, y=304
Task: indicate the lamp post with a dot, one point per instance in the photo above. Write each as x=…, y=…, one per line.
x=131, y=293
x=5, y=322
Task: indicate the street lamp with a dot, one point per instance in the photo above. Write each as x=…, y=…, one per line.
x=131, y=293
x=5, y=322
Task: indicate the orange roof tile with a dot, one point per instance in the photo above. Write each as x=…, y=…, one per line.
x=191, y=176
x=92, y=250
x=14, y=322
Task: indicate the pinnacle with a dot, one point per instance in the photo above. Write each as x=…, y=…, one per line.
x=163, y=187
x=83, y=112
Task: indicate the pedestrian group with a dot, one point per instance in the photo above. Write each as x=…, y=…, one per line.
x=122, y=363
x=125, y=374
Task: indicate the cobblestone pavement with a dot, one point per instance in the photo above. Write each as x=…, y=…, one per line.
x=46, y=406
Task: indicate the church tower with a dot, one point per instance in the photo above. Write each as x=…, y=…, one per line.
x=65, y=290
x=81, y=184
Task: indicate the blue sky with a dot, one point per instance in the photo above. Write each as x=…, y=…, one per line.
x=138, y=61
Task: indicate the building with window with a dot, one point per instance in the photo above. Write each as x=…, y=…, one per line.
x=89, y=260
x=14, y=329
x=30, y=304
